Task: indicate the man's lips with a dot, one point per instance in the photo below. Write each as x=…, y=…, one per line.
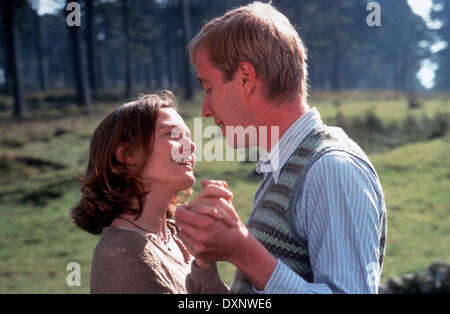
x=219, y=124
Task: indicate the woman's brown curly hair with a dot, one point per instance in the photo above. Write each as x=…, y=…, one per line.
x=110, y=187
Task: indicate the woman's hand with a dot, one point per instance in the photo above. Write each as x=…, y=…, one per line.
x=215, y=200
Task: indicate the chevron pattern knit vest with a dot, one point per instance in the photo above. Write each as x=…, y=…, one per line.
x=271, y=222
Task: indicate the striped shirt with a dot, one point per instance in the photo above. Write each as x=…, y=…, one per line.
x=338, y=213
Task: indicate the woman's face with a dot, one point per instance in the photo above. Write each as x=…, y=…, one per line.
x=172, y=160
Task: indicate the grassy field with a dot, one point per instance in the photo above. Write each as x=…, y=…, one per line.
x=41, y=157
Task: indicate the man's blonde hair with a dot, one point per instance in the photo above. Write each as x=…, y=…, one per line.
x=259, y=34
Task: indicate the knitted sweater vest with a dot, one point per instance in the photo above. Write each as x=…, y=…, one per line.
x=271, y=222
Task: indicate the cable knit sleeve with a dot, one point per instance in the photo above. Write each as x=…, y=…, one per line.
x=205, y=281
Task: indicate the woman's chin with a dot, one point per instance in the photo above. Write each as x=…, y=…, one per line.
x=191, y=181
x=186, y=181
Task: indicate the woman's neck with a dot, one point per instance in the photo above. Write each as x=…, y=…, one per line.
x=154, y=211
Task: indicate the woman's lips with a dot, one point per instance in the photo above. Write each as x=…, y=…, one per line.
x=186, y=163
x=189, y=165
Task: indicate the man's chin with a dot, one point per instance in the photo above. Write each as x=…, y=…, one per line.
x=235, y=144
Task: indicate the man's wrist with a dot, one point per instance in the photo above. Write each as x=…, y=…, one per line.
x=253, y=259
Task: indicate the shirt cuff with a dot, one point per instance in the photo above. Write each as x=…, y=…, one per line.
x=283, y=281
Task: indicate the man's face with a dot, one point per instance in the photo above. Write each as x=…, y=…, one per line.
x=224, y=102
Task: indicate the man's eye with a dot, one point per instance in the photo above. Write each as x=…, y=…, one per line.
x=208, y=91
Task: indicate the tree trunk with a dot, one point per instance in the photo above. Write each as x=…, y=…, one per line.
x=66, y=75
x=300, y=17
x=335, y=72
x=157, y=73
x=188, y=82
x=79, y=67
x=8, y=86
x=404, y=78
x=40, y=53
x=127, y=46
x=91, y=40
x=168, y=60
x=13, y=57
x=147, y=77
x=169, y=41
x=173, y=59
x=113, y=70
x=99, y=64
x=395, y=80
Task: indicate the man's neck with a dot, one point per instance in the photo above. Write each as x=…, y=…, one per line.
x=282, y=117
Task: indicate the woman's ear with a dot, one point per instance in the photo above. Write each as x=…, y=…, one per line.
x=248, y=77
x=123, y=156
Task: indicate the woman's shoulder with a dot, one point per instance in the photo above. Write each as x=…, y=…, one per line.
x=124, y=261
x=116, y=241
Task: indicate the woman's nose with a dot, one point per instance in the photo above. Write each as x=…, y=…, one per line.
x=193, y=147
x=188, y=144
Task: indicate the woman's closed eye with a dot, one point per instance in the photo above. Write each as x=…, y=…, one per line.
x=178, y=133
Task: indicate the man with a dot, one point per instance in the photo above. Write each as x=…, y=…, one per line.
x=319, y=220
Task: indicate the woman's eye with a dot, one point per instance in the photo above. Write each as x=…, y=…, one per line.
x=170, y=134
x=174, y=135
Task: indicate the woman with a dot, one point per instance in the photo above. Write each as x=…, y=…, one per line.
x=141, y=157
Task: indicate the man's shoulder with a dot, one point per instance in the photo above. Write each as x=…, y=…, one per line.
x=340, y=165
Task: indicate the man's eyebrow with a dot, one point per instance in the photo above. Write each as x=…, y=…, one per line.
x=201, y=80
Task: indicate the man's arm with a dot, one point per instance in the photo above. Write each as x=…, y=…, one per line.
x=342, y=227
x=212, y=240
x=339, y=213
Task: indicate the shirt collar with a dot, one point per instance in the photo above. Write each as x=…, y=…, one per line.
x=274, y=160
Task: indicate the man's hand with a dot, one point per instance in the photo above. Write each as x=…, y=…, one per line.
x=211, y=240
x=206, y=230
x=215, y=200
x=208, y=238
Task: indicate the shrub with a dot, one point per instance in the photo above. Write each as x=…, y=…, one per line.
x=435, y=280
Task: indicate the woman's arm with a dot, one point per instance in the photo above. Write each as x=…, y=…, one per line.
x=203, y=280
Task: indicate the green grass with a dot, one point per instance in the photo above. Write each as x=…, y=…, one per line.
x=416, y=184
x=40, y=159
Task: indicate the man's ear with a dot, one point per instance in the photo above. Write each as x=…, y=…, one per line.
x=248, y=77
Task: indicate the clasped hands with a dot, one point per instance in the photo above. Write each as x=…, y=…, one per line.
x=209, y=225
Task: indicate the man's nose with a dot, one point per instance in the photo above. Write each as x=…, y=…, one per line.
x=206, y=108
